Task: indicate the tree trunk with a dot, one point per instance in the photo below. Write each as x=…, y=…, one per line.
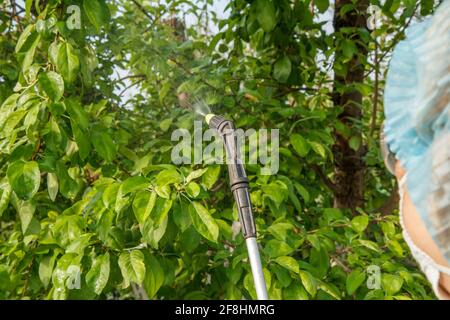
x=349, y=164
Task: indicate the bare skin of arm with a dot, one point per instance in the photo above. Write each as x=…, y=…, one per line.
x=420, y=236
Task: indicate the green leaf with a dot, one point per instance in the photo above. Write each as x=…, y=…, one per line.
x=132, y=267
x=82, y=140
x=348, y=49
x=265, y=14
x=52, y=185
x=396, y=248
x=134, y=184
x=360, y=223
x=103, y=144
x=426, y=7
x=288, y=263
x=282, y=69
x=295, y=292
x=161, y=210
x=57, y=108
x=97, y=12
x=77, y=114
x=309, y=282
x=28, y=4
x=369, y=244
x=203, y=222
x=165, y=124
x=193, y=189
x=181, y=215
x=152, y=234
x=299, y=144
x=26, y=211
x=53, y=50
x=5, y=195
x=275, y=248
x=66, y=272
x=195, y=174
x=32, y=116
x=88, y=63
x=24, y=37
x=24, y=178
x=354, y=280
x=320, y=261
x=211, y=176
x=314, y=240
x=12, y=121
x=167, y=177
x=46, y=268
x=322, y=5
x=279, y=230
x=355, y=143
x=302, y=191
x=318, y=148
x=143, y=205
x=391, y=283
x=67, y=185
x=26, y=50
x=53, y=85
x=249, y=284
x=98, y=275
x=79, y=244
x=277, y=191
x=67, y=62
x=163, y=192
x=154, y=277
x=67, y=229
x=330, y=289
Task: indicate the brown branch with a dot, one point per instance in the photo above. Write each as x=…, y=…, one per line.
x=36, y=150
x=390, y=204
x=396, y=39
x=15, y=15
x=218, y=186
x=161, y=13
x=143, y=10
x=328, y=183
x=130, y=86
x=189, y=72
x=341, y=264
x=131, y=77
x=375, y=93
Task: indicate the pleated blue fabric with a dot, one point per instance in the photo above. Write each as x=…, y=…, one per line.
x=417, y=125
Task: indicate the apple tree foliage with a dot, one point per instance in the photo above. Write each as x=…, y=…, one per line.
x=91, y=206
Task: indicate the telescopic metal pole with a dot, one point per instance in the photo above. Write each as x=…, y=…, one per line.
x=240, y=188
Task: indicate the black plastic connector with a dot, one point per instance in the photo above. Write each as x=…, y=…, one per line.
x=236, y=171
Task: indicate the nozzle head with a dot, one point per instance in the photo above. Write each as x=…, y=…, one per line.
x=208, y=117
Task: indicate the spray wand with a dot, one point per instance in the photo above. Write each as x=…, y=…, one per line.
x=240, y=189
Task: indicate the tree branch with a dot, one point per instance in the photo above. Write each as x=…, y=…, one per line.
x=131, y=77
x=330, y=185
x=143, y=10
x=390, y=204
x=15, y=15
x=375, y=93
x=395, y=40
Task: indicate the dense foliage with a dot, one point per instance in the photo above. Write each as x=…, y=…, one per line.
x=87, y=184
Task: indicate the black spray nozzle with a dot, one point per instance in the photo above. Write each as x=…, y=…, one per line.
x=214, y=121
x=236, y=171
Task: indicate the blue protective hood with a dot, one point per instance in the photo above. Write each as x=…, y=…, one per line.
x=417, y=125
